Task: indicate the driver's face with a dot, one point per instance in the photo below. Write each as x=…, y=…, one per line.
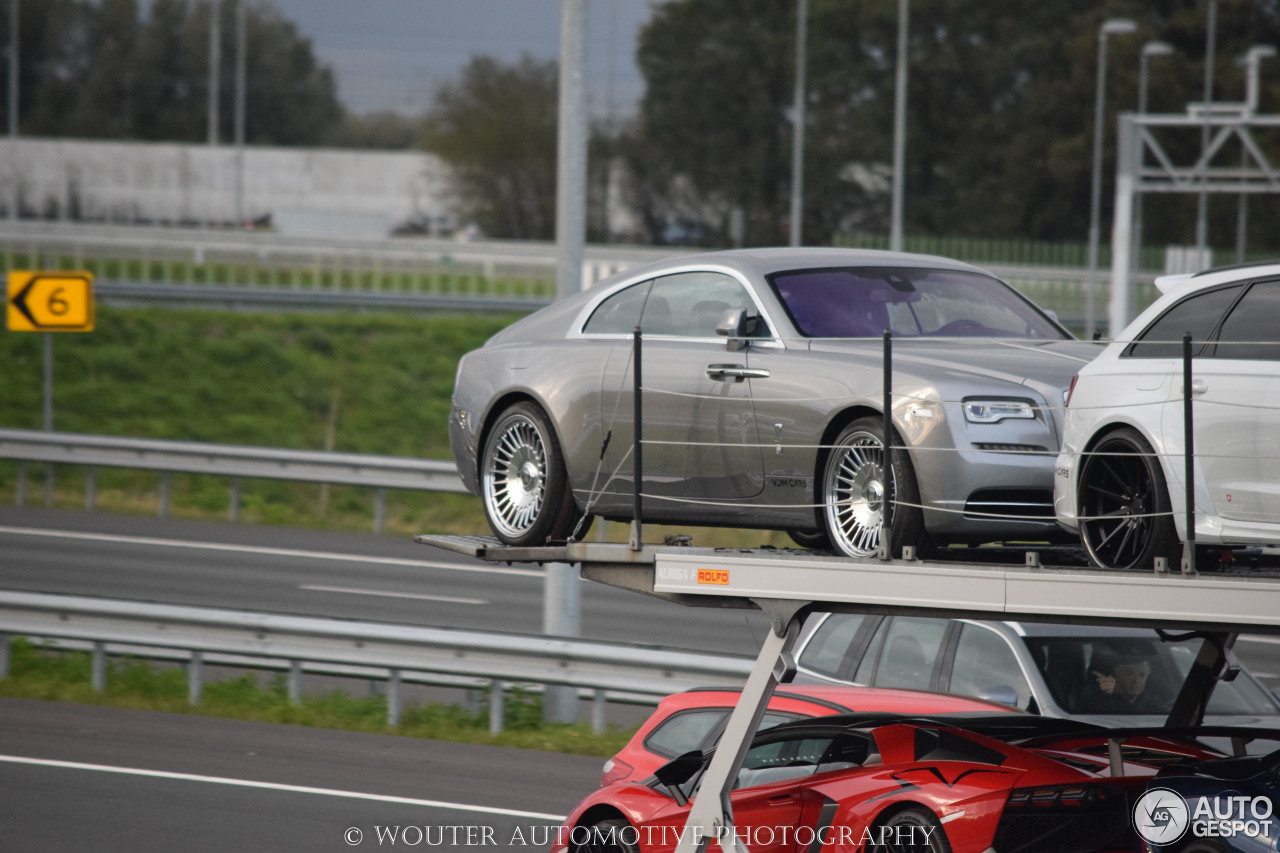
x=1131, y=678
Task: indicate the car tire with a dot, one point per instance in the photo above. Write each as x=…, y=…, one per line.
x=815, y=540
x=612, y=835
x=909, y=831
x=854, y=492
x=523, y=483
x=1126, y=520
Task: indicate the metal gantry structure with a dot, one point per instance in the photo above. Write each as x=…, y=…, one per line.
x=788, y=585
x=1147, y=161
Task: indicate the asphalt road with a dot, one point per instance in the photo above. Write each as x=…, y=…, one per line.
x=365, y=577
x=75, y=778
x=356, y=576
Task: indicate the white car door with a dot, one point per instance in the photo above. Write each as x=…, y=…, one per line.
x=1236, y=386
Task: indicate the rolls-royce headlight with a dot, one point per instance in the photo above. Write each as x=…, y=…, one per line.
x=989, y=411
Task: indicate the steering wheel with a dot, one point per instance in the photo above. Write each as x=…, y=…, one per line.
x=963, y=327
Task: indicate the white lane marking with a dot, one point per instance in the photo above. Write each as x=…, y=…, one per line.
x=274, y=552
x=389, y=594
x=276, y=786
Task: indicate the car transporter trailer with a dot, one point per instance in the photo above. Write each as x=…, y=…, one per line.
x=787, y=585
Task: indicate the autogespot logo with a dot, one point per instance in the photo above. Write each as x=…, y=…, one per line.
x=1161, y=816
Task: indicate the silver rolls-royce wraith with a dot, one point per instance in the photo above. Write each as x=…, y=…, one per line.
x=762, y=398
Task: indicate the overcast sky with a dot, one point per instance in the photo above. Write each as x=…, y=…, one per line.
x=392, y=54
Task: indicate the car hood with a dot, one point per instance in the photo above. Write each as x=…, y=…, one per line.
x=1046, y=366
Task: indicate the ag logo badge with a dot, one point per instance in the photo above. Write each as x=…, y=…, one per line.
x=1161, y=816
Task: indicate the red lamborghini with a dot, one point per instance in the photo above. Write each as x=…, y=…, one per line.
x=947, y=783
x=695, y=718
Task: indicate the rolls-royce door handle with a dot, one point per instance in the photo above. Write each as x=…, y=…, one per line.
x=736, y=372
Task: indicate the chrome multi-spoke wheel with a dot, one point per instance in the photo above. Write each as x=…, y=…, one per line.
x=523, y=482
x=1125, y=516
x=858, y=490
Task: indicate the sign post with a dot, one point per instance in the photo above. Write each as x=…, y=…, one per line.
x=53, y=301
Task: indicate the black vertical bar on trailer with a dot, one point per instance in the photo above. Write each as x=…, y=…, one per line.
x=1189, y=458
x=636, y=451
x=890, y=493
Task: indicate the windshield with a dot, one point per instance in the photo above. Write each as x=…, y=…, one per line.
x=863, y=302
x=1133, y=674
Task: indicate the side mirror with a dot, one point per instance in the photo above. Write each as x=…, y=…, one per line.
x=734, y=325
x=677, y=771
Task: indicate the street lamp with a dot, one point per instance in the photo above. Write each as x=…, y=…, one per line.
x=1150, y=49
x=1251, y=60
x=1110, y=27
x=797, y=129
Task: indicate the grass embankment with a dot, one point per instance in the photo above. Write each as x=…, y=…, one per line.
x=349, y=382
x=65, y=677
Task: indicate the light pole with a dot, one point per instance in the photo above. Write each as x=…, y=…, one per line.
x=14, y=195
x=797, y=129
x=1110, y=27
x=1251, y=60
x=1202, y=202
x=899, y=131
x=1150, y=49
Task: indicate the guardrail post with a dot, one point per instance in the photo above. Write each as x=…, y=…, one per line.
x=4, y=656
x=98, y=667
x=162, y=508
x=295, y=681
x=599, y=707
x=90, y=489
x=20, y=488
x=395, y=698
x=497, y=701
x=379, y=509
x=233, y=511
x=195, y=678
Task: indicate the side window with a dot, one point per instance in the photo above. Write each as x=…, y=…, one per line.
x=1196, y=314
x=620, y=313
x=983, y=663
x=690, y=304
x=911, y=646
x=683, y=732
x=827, y=649
x=1249, y=332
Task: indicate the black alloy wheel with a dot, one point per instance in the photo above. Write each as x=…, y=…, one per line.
x=909, y=831
x=1126, y=520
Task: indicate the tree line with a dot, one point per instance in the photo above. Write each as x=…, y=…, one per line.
x=999, y=122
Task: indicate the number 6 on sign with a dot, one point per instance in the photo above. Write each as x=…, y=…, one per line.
x=50, y=302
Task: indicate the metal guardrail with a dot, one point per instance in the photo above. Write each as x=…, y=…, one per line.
x=232, y=461
x=273, y=641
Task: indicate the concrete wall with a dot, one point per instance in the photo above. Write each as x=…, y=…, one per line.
x=163, y=182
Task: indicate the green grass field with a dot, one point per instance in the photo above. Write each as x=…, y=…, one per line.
x=374, y=383
x=35, y=673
